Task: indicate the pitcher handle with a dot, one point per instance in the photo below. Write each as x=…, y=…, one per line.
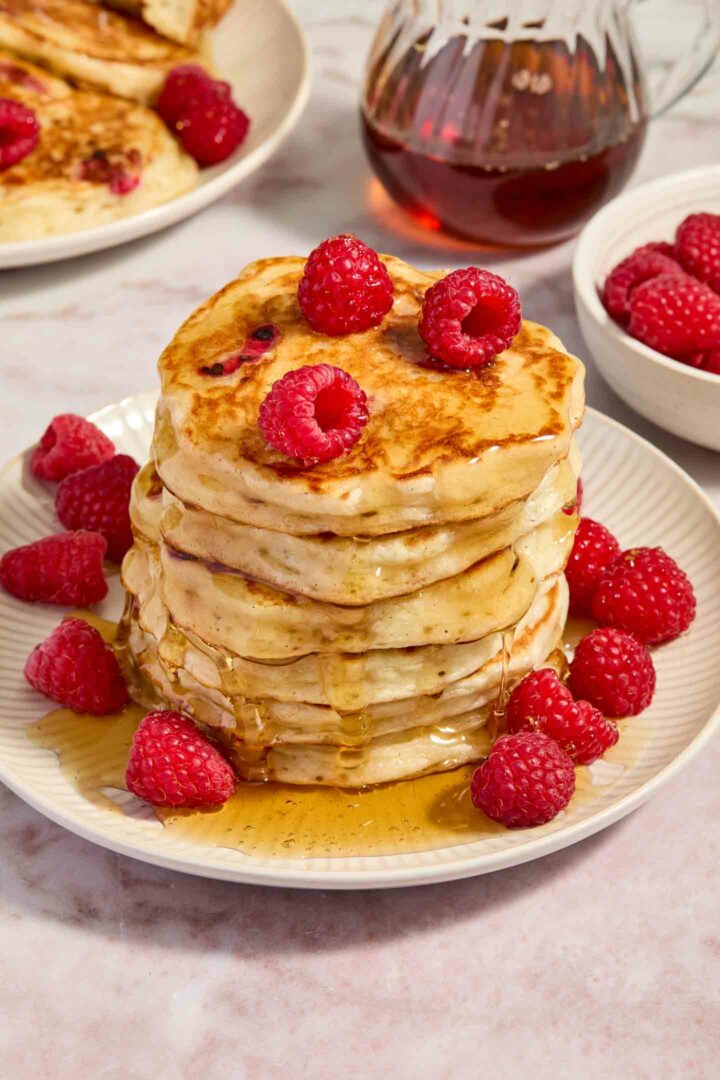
x=689, y=68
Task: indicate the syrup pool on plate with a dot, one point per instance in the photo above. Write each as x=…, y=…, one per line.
x=290, y=821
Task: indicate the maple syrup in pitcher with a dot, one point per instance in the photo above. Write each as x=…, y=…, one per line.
x=510, y=130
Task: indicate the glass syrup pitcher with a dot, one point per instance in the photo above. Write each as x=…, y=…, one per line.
x=511, y=122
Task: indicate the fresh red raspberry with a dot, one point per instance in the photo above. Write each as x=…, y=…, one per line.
x=675, y=315
x=19, y=132
x=593, y=549
x=613, y=671
x=469, y=316
x=646, y=262
x=98, y=498
x=345, y=287
x=314, y=413
x=173, y=764
x=576, y=507
x=541, y=703
x=697, y=247
x=70, y=443
x=526, y=780
x=185, y=87
x=645, y=592
x=210, y=131
x=75, y=667
x=63, y=569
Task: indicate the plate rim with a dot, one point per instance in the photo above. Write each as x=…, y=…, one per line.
x=47, y=250
x=395, y=877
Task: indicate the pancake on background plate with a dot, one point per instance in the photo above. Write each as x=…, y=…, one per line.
x=91, y=46
x=98, y=158
x=182, y=20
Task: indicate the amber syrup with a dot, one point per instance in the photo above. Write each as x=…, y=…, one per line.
x=521, y=150
x=289, y=821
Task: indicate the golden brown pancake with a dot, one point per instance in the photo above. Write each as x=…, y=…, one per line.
x=91, y=46
x=439, y=446
x=88, y=143
x=181, y=20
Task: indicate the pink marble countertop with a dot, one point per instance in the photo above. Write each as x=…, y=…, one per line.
x=602, y=960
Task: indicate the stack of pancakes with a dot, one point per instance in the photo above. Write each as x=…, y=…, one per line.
x=357, y=621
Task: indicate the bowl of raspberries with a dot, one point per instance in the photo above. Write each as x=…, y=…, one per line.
x=647, y=292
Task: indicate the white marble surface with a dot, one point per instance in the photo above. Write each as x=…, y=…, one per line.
x=600, y=960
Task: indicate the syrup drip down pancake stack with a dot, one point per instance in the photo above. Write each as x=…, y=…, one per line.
x=358, y=620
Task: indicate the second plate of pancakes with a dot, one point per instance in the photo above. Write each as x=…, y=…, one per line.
x=402, y=843
x=260, y=48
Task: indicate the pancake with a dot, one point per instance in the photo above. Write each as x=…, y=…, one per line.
x=181, y=20
x=252, y=619
x=92, y=47
x=344, y=681
x=69, y=181
x=265, y=720
x=439, y=446
x=339, y=569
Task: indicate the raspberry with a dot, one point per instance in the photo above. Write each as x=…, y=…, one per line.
x=62, y=569
x=185, y=87
x=614, y=672
x=469, y=316
x=69, y=444
x=576, y=507
x=75, y=667
x=593, y=549
x=173, y=764
x=314, y=413
x=697, y=247
x=526, y=780
x=98, y=498
x=541, y=703
x=19, y=132
x=345, y=287
x=645, y=592
x=211, y=130
x=675, y=315
x=645, y=263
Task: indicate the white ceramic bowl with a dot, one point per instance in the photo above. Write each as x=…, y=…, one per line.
x=678, y=398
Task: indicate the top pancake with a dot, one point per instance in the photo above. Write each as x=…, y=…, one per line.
x=440, y=444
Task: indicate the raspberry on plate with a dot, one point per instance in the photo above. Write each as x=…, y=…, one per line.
x=185, y=87
x=63, y=569
x=173, y=764
x=526, y=780
x=675, y=315
x=697, y=247
x=70, y=443
x=614, y=671
x=644, y=263
x=469, y=316
x=540, y=702
x=593, y=549
x=211, y=130
x=345, y=287
x=98, y=498
x=19, y=132
x=75, y=667
x=645, y=592
x=314, y=413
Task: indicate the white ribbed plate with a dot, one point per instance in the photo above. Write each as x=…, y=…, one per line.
x=637, y=491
